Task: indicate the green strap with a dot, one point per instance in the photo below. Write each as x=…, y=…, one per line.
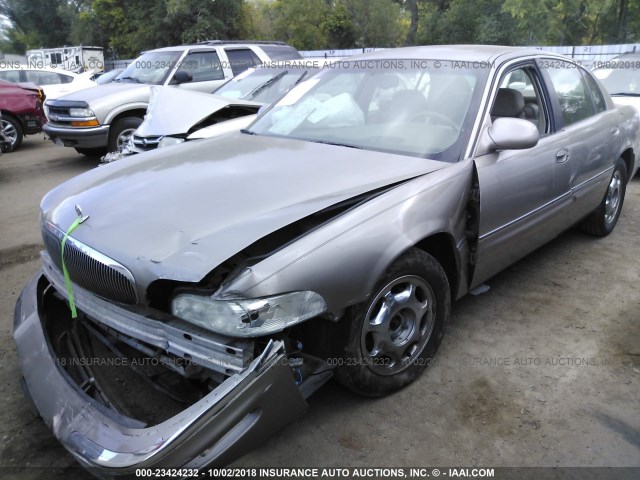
x=67, y=279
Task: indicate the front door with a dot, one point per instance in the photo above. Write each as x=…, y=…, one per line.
x=521, y=191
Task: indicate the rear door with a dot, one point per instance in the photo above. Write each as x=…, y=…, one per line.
x=592, y=129
x=522, y=192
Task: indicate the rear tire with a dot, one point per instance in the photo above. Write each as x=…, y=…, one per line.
x=603, y=219
x=12, y=131
x=121, y=131
x=394, y=335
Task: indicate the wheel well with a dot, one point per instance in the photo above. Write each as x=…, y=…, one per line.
x=629, y=159
x=140, y=113
x=17, y=119
x=441, y=246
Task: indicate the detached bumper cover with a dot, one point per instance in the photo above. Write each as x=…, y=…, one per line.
x=234, y=418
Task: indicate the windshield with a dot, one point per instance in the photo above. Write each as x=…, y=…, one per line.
x=394, y=105
x=263, y=84
x=151, y=68
x=619, y=80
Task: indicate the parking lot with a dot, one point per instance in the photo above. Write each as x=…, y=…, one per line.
x=543, y=369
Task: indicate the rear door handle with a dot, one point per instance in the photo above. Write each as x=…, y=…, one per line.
x=615, y=131
x=562, y=156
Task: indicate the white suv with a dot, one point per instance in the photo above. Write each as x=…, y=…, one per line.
x=102, y=118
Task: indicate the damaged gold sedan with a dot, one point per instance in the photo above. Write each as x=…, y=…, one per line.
x=191, y=298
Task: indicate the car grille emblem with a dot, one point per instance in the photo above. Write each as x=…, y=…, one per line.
x=79, y=212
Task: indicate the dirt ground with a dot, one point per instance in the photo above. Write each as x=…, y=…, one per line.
x=541, y=370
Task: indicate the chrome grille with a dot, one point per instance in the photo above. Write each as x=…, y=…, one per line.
x=58, y=115
x=146, y=143
x=90, y=269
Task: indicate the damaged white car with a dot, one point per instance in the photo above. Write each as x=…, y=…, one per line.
x=185, y=320
x=231, y=107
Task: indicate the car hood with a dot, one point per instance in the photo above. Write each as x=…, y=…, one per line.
x=95, y=93
x=110, y=95
x=180, y=211
x=194, y=107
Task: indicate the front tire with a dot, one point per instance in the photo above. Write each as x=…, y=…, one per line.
x=121, y=131
x=12, y=131
x=603, y=219
x=394, y=335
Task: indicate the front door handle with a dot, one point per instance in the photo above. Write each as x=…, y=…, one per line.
x=615, y=131
x=562, y=156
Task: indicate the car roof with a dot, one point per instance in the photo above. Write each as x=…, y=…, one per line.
x=209, y=44
x=466, y=53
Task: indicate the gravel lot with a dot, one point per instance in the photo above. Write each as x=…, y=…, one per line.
x=541, y=370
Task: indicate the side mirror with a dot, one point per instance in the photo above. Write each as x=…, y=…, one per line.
x=511, y=134
x=181, y=76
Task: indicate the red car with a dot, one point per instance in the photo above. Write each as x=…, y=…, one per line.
x=22, y=112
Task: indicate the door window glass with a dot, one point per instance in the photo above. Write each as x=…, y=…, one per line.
x=203, y=66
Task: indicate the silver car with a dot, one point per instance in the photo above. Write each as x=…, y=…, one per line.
x=185, y=320
x=101, y=119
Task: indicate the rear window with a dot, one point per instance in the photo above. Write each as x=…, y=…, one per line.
x=280, y=52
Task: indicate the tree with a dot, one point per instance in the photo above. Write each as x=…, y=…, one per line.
x=197, y=20
x=26, y=20
x=376, y=22
x=339, y=27
x=459, y=21
x=298, y=23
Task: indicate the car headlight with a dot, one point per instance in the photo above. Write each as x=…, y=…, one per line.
x=81, y=112
x=168, y=141
x=248, y=317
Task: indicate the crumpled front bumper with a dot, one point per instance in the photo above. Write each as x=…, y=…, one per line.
x=238, y=415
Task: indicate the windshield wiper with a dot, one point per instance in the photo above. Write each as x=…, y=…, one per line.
x=300, y=79
x=133, y=79
x=337, y=144
x=260, y=88
x=625, y=94
x=248, y=132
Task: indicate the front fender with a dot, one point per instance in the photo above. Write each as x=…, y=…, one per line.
x=343, y=260
x=128, y=107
